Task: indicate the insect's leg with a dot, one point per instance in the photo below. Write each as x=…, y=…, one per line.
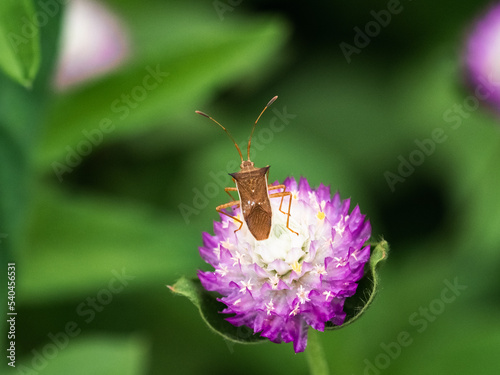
x=273, y=187
x=228, y=189
x=282, y=195
x=230, y=204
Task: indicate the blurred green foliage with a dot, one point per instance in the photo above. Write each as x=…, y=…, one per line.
x=19, y=53
x=116, y=211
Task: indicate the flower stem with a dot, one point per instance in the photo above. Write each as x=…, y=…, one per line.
x=315, y=354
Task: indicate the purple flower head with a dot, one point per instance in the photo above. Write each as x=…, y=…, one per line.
x=482, y=57
x=282, y=285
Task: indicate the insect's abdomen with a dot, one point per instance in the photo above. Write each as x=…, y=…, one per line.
x=259, y=223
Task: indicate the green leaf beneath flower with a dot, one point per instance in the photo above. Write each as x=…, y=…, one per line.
x=356, y=305
x=210, y=308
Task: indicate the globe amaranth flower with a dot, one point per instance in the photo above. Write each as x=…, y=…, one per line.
x=280, y=286
x=482, y=57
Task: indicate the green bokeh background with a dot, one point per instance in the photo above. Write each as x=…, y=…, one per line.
x=118, y=210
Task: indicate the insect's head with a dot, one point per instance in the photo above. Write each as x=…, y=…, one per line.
x=246, y=165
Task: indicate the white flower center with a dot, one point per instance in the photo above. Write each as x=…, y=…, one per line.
x=283, y=251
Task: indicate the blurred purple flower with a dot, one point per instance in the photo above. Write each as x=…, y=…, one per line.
x=94, y=42
x=482, y=57
x=281, y=286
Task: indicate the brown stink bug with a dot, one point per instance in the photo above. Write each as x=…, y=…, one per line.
x=253, y=191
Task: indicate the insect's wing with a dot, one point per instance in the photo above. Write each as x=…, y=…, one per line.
x=254, y=201
x=258, y=218
x=259, y=223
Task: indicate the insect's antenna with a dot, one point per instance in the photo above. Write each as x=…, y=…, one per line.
x=254, y=125
x=223, y=128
